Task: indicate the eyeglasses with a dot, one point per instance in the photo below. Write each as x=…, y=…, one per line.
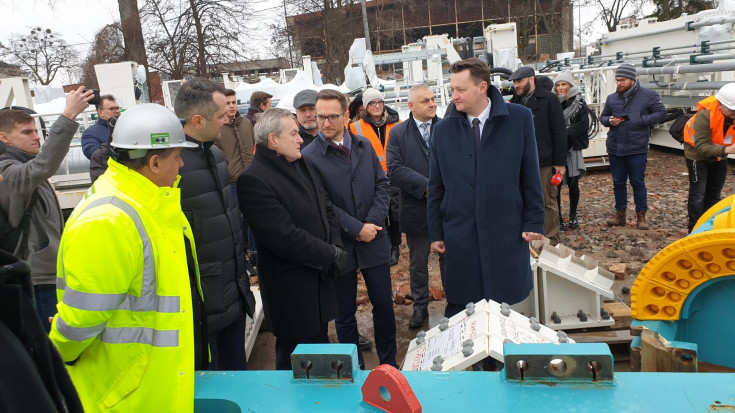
x=332, y=118
x=114, y=109
x=376, y=102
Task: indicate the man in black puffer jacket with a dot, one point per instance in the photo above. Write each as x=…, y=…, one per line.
x=210, y=207
x=551, y=140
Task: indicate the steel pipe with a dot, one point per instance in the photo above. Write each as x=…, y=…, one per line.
x=702, y=68
x=687, y=85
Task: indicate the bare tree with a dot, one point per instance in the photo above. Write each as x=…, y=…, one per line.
x=329, y=33
x=671, y=9
x=193, y=36
x=613, y=12
x=42, y=54
x=108, y=47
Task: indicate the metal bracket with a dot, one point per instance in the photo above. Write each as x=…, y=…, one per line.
x=574, y=363
x=311, y=362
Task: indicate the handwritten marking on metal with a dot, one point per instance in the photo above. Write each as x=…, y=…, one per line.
x=446, y=344
x=511, y=331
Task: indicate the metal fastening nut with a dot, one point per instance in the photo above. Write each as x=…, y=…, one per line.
x=535, y=326
x=505, y=309
x=420, y=337
x=470, y=309
x=444, y=324
x=437, y=366
x=563, y=338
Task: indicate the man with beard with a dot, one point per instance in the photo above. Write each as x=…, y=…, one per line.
x=304, y=102
x=630, y=113
x=551, y=140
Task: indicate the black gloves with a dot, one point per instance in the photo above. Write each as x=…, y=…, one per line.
x=339, y=265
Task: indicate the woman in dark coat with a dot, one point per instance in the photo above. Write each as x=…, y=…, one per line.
x=576, y=115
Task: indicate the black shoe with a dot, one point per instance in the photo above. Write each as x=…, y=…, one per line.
x=563, y=225
x=573, y=224
x=418, y=318
x=394, y=255
x=363, y=343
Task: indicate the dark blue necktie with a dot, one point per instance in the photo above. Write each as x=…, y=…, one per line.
x=476, y=131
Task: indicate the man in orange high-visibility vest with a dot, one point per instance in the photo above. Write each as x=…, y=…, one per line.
x=375, y=124
x=708, y=138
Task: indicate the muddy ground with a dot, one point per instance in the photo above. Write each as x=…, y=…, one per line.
x=667, y=195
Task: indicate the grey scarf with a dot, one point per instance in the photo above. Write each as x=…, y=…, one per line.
x=575, y=96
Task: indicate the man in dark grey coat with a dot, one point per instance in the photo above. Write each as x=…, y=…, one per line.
x=210, y=207
x=299, y=246
x=26, y=167
x=359, y=192
x=551, y=141
x=407, y=156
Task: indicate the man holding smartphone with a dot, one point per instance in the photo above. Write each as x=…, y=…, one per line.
x=630, y=113
x=99, y=133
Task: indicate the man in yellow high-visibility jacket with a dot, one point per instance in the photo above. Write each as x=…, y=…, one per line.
x=127, y=321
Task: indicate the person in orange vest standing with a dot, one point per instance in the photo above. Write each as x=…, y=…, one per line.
x=375, y=124
x=708, y=137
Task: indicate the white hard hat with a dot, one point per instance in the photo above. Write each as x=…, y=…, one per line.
x=149, y=126
x=726, y=95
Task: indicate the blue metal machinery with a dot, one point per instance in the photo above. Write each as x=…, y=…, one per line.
x=682, y=299
x=536, y=378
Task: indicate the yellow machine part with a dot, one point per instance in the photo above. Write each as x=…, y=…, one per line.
x=722, y=221
x=664, y=284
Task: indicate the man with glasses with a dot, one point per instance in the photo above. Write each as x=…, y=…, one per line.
x=359, y=193
x=99, y=133
x=630, y=113
x=376, y=122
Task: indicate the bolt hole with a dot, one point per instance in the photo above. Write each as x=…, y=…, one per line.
x=337, y=366
x=306, y=365
x=384, y=393
x=686, y=358
x=558, y=367
x=594, y=367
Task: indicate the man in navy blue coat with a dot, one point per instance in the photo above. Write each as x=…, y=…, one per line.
x=485, y=201
x=407, y=156
x=630, y=113
x=359, y=193
x=99, y=133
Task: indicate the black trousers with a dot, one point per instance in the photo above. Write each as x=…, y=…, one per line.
x=706, y=179
x=377, y=280
x=286, y=346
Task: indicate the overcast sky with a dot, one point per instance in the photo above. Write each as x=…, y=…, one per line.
x=79, y=20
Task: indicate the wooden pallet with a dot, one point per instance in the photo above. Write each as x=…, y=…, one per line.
x=617, y=336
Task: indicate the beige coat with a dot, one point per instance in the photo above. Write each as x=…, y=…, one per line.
x=237, y=142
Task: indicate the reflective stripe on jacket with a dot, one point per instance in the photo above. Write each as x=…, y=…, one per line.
x=716, y=124
x=364, y=129
x=125, y=317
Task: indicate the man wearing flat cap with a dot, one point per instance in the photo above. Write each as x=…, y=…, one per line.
x=304, y=102
x=630, y=113
x=551, y=140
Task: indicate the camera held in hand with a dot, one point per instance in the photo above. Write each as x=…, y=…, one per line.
x=96, y=99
